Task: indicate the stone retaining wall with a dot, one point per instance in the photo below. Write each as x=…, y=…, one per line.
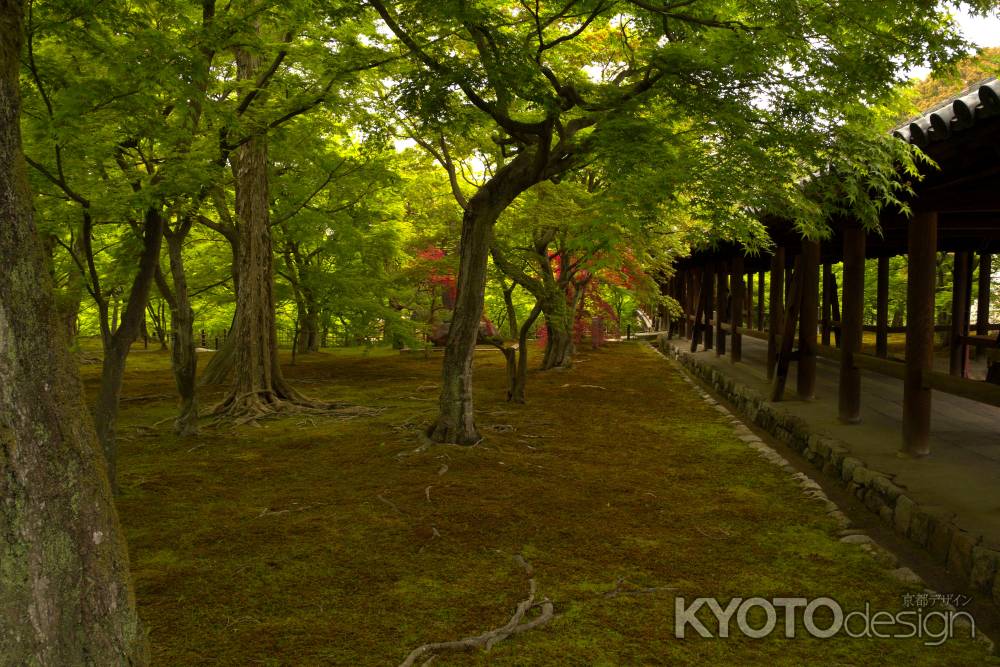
x=932, y=528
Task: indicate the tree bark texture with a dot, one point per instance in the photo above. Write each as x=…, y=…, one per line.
x=258, y=384
x=65, y=594
x=455, y=422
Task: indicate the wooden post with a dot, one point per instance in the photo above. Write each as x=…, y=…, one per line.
x=691, y=294
x=960, y=284
x=805, y=385
x=826, y=302
x=739, y=293
x=983, y=298
x=760, y=301
x=748, y=299
x=698, y=299
x=721, y=308
x=849, y=390
x=882, y=309
x=922, y=250
x=789, y=320
x=708, y=287
x=835, y=304
x=776, y=307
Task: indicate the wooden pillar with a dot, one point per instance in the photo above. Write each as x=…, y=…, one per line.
x=760, y=301
x=805, y=385
x=708, y=287
x=739, y=294
x=826, y=302
x=721, y=308
x=852, y=313
x=776, y=306
x=983, y=298
x=882, y=309
x=748, y=299
x=922, y=276
x=835, y=305
x=688, y=301
x=789, y=321
x=698, y=297
x=960, y=284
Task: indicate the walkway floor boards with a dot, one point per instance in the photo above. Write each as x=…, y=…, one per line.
x=962, y=474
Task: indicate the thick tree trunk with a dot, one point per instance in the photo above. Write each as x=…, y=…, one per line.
x=220, y=366
x=308, y=338
x=559, y=343
x=258, y=385
x=65, y=595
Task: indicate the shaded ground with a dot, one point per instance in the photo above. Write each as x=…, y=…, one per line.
x=319, y=540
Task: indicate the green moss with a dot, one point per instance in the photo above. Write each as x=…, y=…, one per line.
x=271, y=545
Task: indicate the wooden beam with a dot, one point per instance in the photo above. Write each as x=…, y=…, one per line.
x=849, y=389
x=805, y=385
x=960, y=284
x=776, y=307
x=882, y=309
x=922, y=250
x=721, y=307
x=739, y=293
x=790, y=320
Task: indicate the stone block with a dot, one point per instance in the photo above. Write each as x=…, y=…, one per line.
x=960, y=554
x=984, y=567
x=901, y=514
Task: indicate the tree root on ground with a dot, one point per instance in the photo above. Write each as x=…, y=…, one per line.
x=487, y=640
x=251, y=406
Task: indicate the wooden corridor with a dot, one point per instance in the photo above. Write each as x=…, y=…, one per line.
x=960, y=474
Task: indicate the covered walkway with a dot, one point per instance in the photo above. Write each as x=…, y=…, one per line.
x=961, y=474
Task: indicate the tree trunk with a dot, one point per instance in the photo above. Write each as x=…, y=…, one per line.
x=258, y=384
x=220, y=366
x=521, y=373
x=183, y=357
x=455, y=422
x=508, y=301
x=118, y=344
x=308, y=322
x=559, y=343
x=65, y=594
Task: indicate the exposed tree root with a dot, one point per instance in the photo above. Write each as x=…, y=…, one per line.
x=250, y=406
x=487, y=640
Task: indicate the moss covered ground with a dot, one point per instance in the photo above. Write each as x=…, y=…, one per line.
x=321, y=540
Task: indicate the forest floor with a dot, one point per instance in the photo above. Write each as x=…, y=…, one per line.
x=325, y=540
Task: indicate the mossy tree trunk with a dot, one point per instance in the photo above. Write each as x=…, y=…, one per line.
x=65, y=594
